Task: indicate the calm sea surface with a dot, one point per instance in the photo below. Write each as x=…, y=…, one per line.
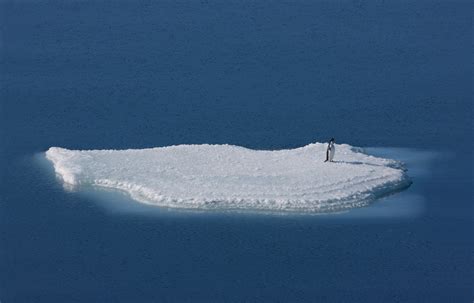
x=396, y=77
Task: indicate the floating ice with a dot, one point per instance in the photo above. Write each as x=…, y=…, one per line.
x=233, y=177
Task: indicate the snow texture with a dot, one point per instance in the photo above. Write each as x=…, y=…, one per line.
x=233, y=177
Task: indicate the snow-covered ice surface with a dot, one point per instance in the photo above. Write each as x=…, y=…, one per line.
x=230, y=177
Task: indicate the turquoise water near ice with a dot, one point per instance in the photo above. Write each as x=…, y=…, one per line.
x=394, y=78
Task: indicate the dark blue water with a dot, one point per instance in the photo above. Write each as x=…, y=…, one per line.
x=267, y=75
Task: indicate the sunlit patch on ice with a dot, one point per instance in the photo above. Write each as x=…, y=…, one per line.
x=230, y=177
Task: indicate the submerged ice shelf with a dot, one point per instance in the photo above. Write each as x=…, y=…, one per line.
x=233, y=177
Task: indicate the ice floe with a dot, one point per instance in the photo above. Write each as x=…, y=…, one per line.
x=232, y=177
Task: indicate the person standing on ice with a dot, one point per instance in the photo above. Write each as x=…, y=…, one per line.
x=331, y=150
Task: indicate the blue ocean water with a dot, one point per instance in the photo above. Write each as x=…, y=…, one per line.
x=266, y=75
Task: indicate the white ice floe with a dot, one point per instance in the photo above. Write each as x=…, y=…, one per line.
x=233, y=177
